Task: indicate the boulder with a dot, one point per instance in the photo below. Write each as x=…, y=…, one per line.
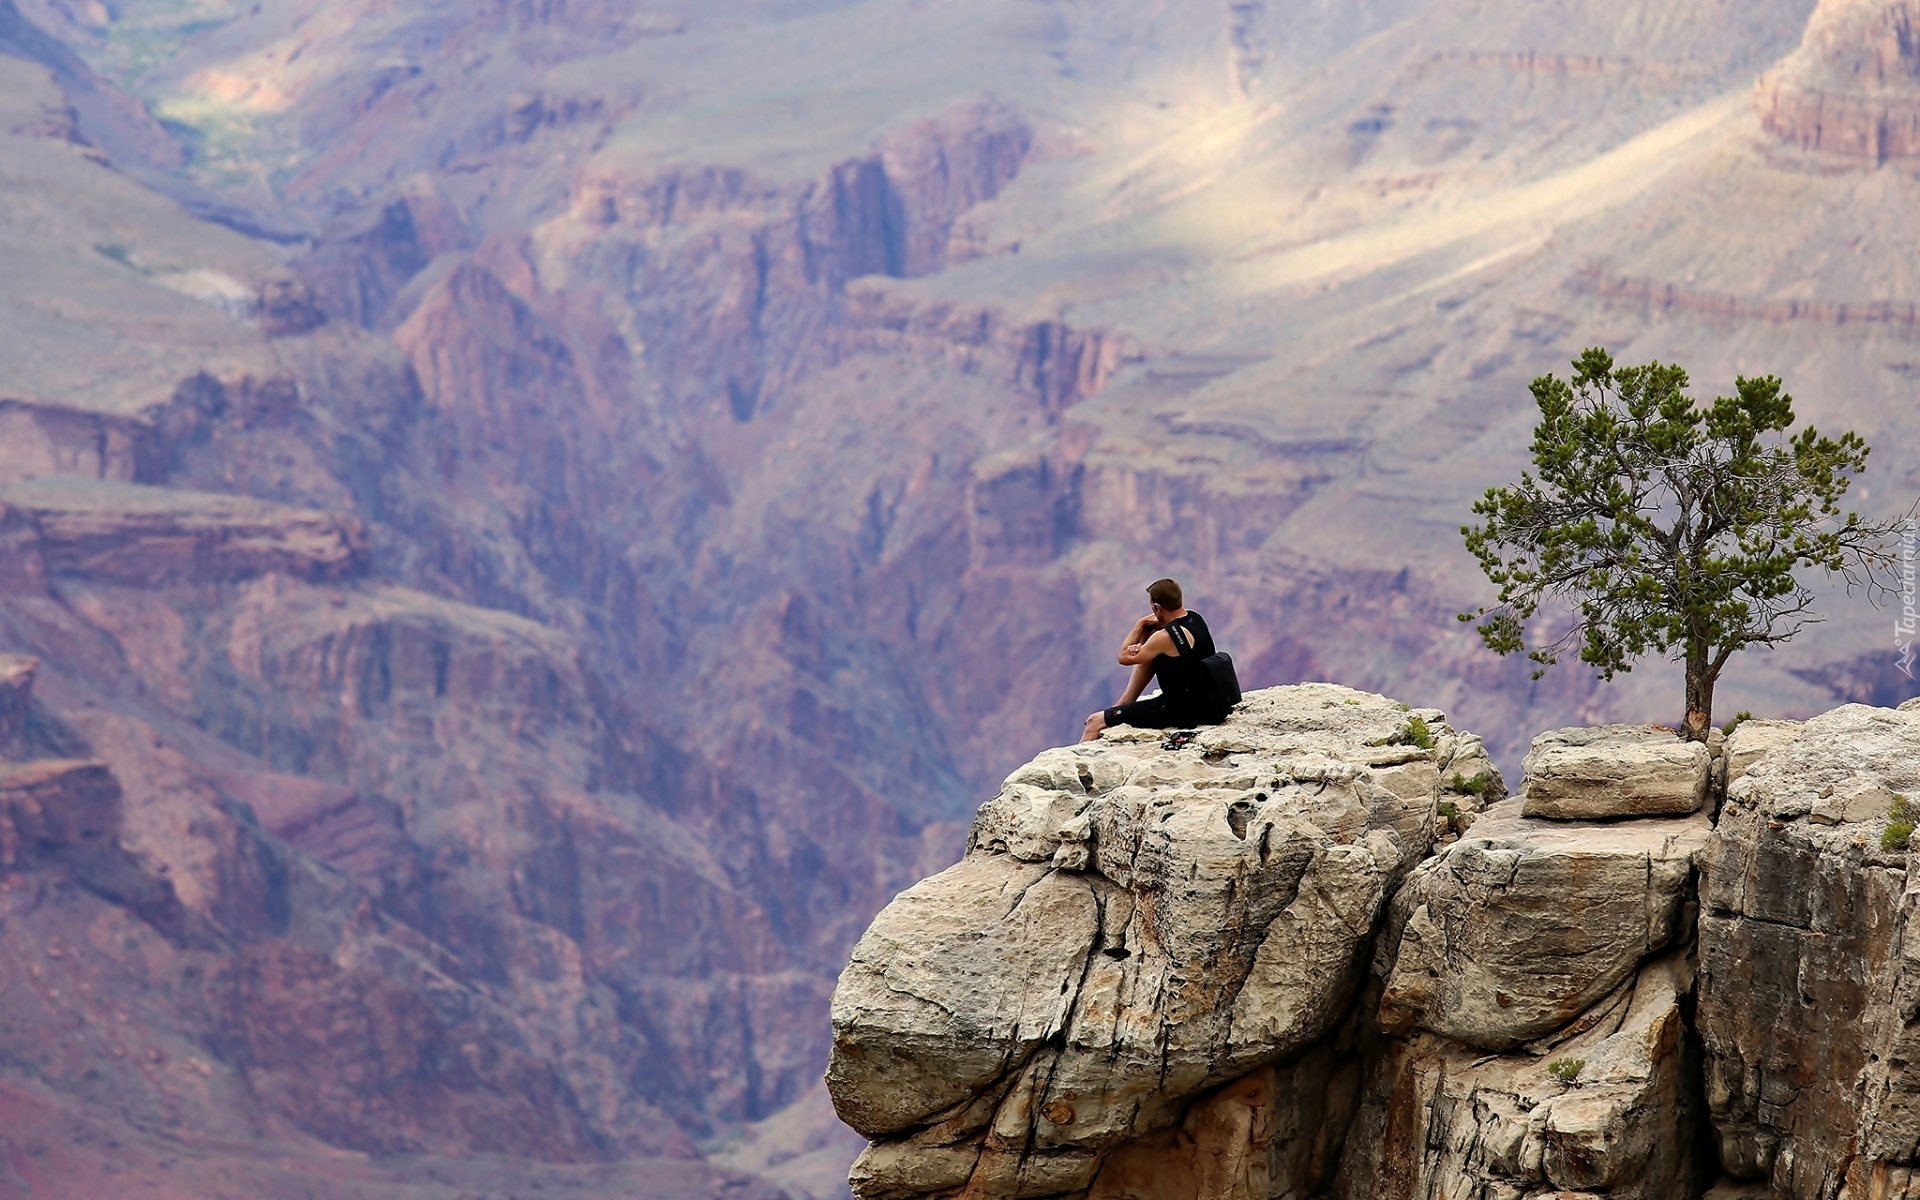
x=1513, y=931
x=1603, y=1107
x=1810, y=964
x=1133, y=926
x=1604, y=771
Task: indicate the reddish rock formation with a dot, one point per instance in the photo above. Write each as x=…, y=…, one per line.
x=52, y=805
x=1055, y=363
x=125, y=534
x=251, y=972
x=1652, y=295
x=46, y=439
x=1852, y=90
x=358, y=269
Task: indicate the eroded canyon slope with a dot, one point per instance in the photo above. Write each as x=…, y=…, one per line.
x=551, y=510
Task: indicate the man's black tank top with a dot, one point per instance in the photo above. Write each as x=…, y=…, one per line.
x=1184, y=681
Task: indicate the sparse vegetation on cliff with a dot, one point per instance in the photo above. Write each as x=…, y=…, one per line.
x=1566, y=1070
x=1415, y=733
x=1900, y=824
x=1669, y=526
x=1477, y=785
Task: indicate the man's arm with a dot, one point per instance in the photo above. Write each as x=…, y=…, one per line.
x=1135, y=636
x=1161, y=642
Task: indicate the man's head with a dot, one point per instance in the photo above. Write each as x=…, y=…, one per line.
x=1164, y=595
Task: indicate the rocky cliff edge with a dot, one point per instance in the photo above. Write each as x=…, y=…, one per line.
x=1317, y=953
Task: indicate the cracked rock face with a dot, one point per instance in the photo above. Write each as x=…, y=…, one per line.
x=1132, y=927
x=1810, y=964
x=1618, y=1118
x=1522, y=925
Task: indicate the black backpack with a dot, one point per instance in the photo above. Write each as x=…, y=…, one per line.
x=1217, y=668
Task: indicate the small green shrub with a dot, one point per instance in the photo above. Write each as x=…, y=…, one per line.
x=1900, y=823
x=1418, y=734
x=1476, y=786
x=1566, y=1070
x=1451, y=813
x=1730, y=726
x=1415, y=734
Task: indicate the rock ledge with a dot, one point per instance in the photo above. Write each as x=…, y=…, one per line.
x=1132, y=926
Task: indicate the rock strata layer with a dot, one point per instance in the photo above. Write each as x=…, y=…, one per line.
x=129, y=534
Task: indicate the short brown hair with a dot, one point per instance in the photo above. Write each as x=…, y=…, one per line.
x=1164, y=592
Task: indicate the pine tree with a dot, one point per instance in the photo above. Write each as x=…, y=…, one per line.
x=1670, y=526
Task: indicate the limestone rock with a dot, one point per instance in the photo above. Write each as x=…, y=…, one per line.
x=1753, y=740
x=1810, y=964
x=1614, y=771
x=1441, y=1119
x=1131, y=927
x=1516, y=929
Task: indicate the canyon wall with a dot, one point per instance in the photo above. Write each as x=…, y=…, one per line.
x=551, y=514
x=1315, y=952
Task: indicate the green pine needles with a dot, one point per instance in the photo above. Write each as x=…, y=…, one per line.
x=1669, y=526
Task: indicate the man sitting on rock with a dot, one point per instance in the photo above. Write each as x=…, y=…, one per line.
x=1167, y=644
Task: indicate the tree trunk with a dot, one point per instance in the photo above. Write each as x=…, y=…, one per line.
x=1699, y=694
